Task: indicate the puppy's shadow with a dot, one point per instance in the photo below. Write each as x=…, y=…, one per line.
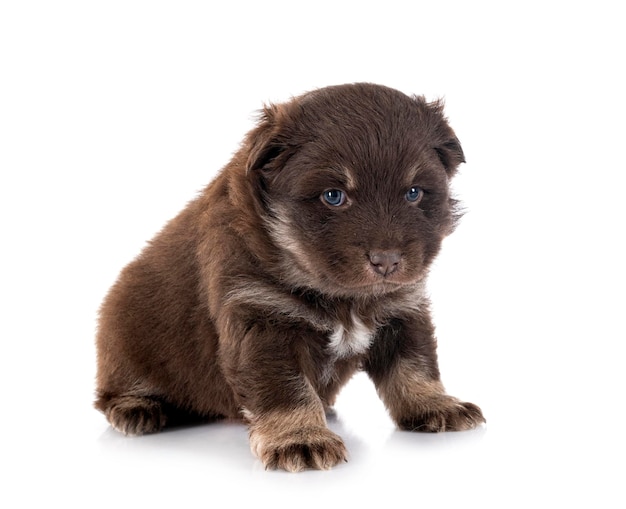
x=223, y=442
x=404, y=443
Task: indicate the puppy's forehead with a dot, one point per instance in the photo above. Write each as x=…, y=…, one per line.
x=393, y=174
x=366, y=167
x=365, y=136
x=362, y=157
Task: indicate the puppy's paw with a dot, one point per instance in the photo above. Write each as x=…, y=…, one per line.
x=294, y=451
x=135, y=415
x=446, y=414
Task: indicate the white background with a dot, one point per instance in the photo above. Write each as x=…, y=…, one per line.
x=114, y=114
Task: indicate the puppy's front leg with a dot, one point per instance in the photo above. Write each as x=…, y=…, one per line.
x=403, y=365
x=285, y=414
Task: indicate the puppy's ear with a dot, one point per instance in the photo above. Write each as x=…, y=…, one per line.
x=450, y=154
x=443, y=140
x=264, y=142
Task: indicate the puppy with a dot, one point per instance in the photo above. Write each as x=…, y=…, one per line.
x=304, y=261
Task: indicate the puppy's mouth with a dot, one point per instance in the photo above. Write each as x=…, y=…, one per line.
x=379, y=274
x=372, y=276
x=380, y=287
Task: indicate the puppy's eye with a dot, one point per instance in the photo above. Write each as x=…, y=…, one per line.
x=414, y=194
x=334, y=197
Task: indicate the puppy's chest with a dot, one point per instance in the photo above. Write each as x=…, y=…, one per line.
x=349, y=338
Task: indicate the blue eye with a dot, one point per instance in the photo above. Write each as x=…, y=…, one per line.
x=414, y=194
x=334, y=197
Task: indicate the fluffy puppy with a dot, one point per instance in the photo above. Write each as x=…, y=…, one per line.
x=303, y=261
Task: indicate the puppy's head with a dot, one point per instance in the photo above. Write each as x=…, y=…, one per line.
x=353, y=182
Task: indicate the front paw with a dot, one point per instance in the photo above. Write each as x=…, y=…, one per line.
x=294, y=451
x=446, y=414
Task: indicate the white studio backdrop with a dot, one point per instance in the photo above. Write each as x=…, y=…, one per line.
x=114, y=114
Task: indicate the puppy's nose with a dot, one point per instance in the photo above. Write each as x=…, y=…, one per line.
x=385, y=262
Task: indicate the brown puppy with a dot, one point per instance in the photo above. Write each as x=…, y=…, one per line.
x=302, y=262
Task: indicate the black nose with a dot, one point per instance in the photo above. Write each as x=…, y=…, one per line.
x=385, y=262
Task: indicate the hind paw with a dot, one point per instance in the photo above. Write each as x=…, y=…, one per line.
x=135, y=415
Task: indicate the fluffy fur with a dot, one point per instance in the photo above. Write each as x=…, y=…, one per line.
x=302, y=262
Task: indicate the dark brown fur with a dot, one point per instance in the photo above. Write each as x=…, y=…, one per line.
x=261, y=300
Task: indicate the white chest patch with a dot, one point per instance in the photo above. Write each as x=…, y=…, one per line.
x=354, y=340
